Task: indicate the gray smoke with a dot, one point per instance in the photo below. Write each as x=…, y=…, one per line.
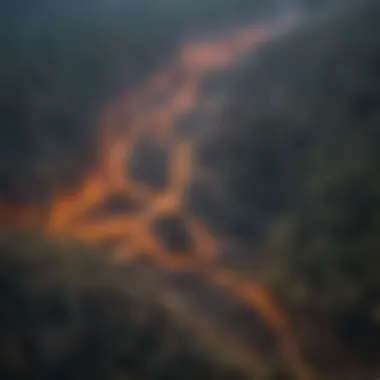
x=62, y=61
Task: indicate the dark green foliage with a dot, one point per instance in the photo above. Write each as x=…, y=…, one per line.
x=67, y=312
x=300, y=153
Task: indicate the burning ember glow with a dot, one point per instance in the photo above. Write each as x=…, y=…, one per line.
x=150, y=112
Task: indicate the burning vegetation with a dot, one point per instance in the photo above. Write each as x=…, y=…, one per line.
x=239, y=171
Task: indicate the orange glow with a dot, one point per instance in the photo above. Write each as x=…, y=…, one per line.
x=153, y=108
x=178, y=85
x=20, y=215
